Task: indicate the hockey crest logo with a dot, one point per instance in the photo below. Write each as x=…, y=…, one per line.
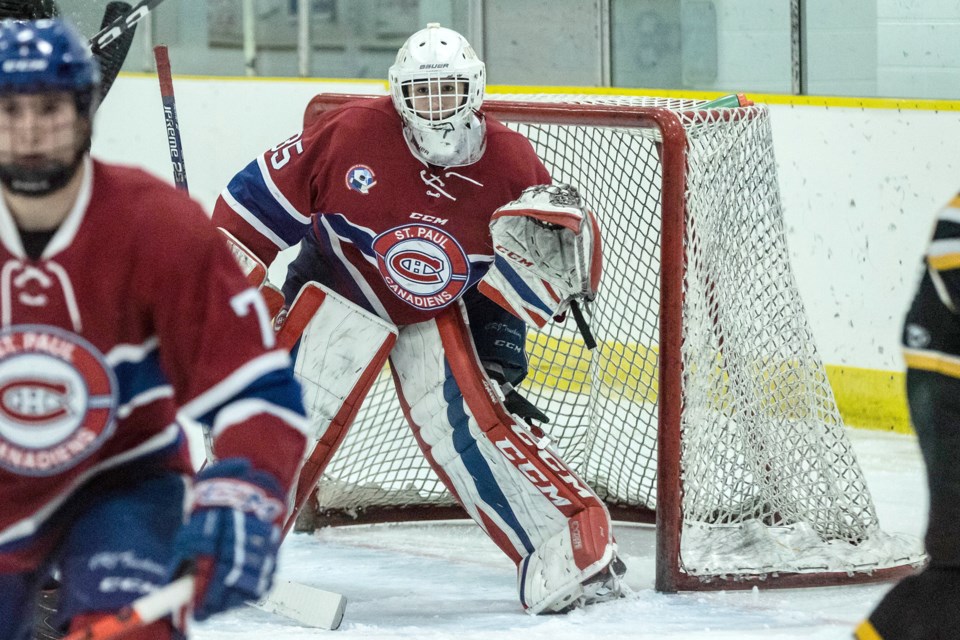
x=58, y=398
x=422, y=265
x=360, y=178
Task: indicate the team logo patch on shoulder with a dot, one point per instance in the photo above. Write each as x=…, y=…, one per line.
x=422, y=265
x=360, y=178
x=58, y=398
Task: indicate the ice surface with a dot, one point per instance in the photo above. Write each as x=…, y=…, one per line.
x=447, y=580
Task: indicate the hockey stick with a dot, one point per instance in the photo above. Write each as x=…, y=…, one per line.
x=170, y=117
x=121, y=25
x=309, y=606
x=143, y=611
x=111, y=58
x=304, y=604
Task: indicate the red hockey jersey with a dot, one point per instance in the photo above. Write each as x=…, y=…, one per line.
x=398, y=237
x=134, y=311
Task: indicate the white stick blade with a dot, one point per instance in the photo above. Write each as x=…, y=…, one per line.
x=309, y=606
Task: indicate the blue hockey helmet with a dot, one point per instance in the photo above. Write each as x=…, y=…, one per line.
x=47, y=55
x=38, y=57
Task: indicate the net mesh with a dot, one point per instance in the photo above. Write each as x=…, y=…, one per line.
x=769, y=481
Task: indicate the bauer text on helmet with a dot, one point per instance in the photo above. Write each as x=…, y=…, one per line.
x=437, y=85
x=48, y=87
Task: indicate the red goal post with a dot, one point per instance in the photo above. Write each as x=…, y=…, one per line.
x=706, y=407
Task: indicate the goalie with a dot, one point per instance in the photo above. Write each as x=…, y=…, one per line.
x=430, y=233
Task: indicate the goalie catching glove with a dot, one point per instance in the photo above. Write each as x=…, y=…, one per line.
x=547, y=254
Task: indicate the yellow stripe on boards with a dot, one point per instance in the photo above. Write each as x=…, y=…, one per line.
x=626, y=369
x=845, y=102
x=871, y=398
x=866, y=398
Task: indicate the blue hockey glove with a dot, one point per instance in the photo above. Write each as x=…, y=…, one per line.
x=232, y=536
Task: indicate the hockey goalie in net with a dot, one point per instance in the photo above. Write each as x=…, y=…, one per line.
x=430, y=226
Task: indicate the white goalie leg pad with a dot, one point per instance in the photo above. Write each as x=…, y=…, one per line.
x=342, y=347
x=512, y=484
x=340, y=350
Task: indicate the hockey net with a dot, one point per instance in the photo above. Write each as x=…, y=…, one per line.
x=706, y=402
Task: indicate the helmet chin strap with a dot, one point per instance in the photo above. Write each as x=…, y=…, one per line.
x=447, y=145
x=42, y=180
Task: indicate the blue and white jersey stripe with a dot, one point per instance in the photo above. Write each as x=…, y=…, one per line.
x=264, y=380
x=262, y=205
x=139, y=377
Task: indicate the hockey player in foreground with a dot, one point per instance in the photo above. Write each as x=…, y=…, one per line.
x=120, y=307
x=391, y=201
x=924, y=606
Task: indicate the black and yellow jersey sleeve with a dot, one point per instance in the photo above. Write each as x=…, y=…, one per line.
x=943, y=256
x=931, y=333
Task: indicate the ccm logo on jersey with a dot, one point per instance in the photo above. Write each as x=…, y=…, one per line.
x=422, y=265
x=58, y=397
x=429, y=219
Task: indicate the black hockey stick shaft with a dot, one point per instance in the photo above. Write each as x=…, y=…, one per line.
x=111, y=58
x=162, y=57
x=122, y=24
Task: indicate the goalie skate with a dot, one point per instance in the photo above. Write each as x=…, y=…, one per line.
x=605, y=586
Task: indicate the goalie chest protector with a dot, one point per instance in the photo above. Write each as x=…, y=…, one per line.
x=396, y=236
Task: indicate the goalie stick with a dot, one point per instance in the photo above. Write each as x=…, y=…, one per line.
x=304, y=604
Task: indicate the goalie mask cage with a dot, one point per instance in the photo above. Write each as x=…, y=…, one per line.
x=706, y=407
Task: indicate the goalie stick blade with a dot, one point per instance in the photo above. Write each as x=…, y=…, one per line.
x=306, y=605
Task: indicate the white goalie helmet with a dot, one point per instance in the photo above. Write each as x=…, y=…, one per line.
x=437, y=85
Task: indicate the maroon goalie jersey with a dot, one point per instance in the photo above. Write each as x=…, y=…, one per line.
x=398, y=237
x=134, y=311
